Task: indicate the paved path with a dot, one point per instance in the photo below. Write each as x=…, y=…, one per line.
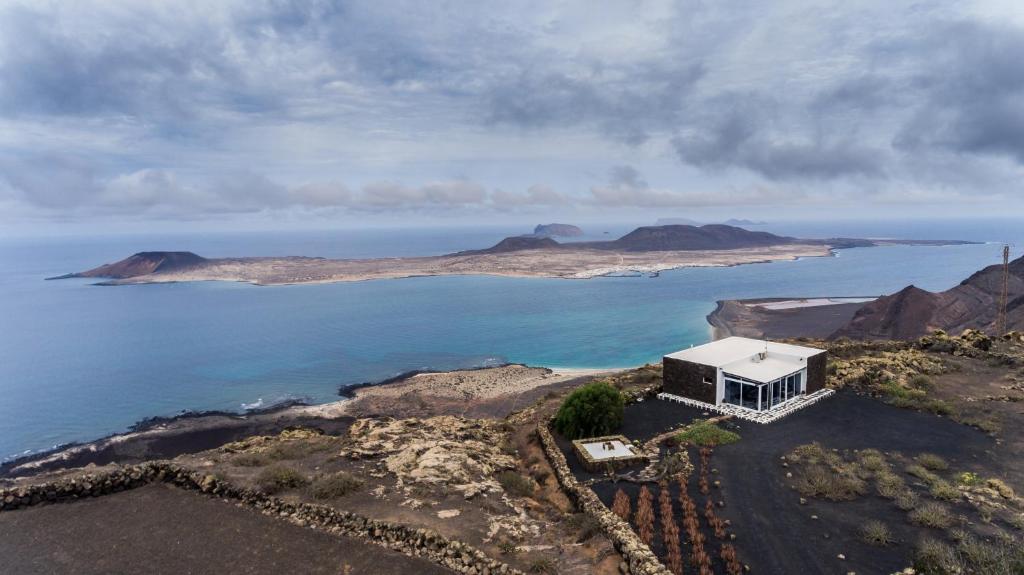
x=159, y=529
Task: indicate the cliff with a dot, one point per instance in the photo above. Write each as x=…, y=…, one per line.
x=913, y=312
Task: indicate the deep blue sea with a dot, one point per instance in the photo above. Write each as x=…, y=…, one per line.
x=78, y=361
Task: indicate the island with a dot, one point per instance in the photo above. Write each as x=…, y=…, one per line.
x=644, y=250
x=557, y=230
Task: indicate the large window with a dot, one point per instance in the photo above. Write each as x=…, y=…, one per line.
x=761, y=396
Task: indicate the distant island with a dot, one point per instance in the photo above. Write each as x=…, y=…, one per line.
x=644, y=250
x=689, y=222
x=557, y=230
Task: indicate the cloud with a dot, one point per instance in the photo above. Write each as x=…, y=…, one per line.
x=191, y=108
x=627, y=188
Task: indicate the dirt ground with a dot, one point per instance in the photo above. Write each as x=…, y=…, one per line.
x=160, y=529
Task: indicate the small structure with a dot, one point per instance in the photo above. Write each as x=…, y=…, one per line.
x=750, y=374
x=597, y=453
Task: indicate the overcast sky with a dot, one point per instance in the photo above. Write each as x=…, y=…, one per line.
x=354, y=112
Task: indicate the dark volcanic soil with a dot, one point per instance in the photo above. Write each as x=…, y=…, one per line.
x=159, y=529
x=775, y=534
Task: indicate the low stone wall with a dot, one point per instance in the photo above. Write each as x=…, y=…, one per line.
x=639, y=559
x=426, y=543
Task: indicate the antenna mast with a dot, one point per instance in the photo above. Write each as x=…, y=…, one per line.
x=1004, y=292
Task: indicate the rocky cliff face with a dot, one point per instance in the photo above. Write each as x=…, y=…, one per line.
x=913, y=312
x=144, y=263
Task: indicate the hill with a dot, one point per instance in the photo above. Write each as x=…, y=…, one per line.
x=143, y=263
x=913, y=312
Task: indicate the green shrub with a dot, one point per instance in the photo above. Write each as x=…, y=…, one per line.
x=335, y=485
x=932, y=462
x=815, y=453
x=906, y=500
x=872, y=460
x=591, y=411
x=921, y=473
x=889, y=484
x=920, y=381
x=936, y=558
x=945, y=490
x=932, y=514
x=967, y=478
x=250, y=460
x=705, y=433
x=279, y=478
x=876, y=533
x=841, y=485
x=516, y=484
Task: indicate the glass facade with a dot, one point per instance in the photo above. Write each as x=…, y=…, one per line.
x=761, y=396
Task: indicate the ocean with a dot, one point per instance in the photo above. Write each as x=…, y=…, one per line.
x=79, y=361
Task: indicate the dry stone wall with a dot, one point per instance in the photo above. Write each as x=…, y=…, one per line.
x=638, y=557
x=455, y=555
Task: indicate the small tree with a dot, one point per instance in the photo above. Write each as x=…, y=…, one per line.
x=592, y=410
x=621, y=505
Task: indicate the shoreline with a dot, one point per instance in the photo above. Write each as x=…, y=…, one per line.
x=165, y=437
x=816, y=317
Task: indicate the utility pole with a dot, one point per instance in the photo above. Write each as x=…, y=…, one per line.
x=1003, y=294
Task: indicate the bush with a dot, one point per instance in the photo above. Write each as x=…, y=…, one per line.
x=815, y=453
x=705, y=433
x=591, y=411
x=967, y=478
x=876, y=533
x=544, y=566
x=584, y=525
x=250, y=460
x=336, y=485
x=932, y=515
x=945, y=490
x=279, y=478
x=516, y=484
x=920, y=381
x=932, y=462
x=872, y=460
x=834, y=485
x=906, y=500
x=889, y=484
x=935, y=557
x=921, y=473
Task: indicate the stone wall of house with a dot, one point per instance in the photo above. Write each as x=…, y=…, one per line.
x=426, y=543
x=686, y=379
x=816, y=368
x=638, y=559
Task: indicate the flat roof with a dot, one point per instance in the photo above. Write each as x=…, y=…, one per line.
x=741, y=356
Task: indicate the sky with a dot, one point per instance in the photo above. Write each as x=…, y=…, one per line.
x=270, y=113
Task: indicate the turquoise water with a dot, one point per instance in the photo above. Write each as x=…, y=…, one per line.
x=79, y=361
